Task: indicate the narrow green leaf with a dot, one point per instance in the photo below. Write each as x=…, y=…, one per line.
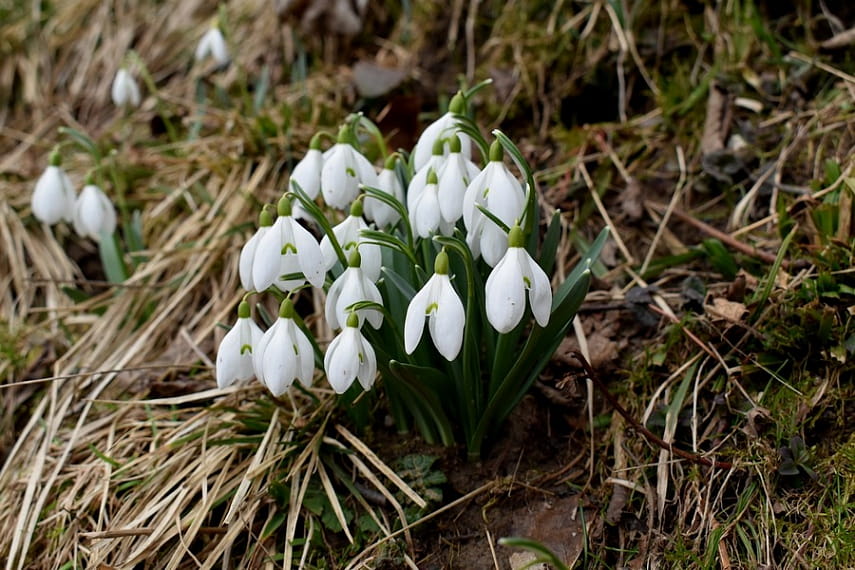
x=111, y=259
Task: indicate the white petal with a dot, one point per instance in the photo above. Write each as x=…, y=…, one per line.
x=446, y=324
x=419, y=179
x=342, y=359
x=309, y=253
x=540, y=291
x=330, y=312
x=279, y=362
x=307, y=173
x=451, y=187
x=266, y=261
x=125, y=90
x=414, y=322
x=261, y=349
x=229, y=359
x=93, y=213
x=494, y=242
x=305, y=355
x=425, y=214
x=340, y=176
x=50, y=202
x=247, y=257
x=381, y=213
x=505, y=293
x=368, y=364
x=443, y=127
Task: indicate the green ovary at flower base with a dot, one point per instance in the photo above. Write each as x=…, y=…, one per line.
x=492, y=316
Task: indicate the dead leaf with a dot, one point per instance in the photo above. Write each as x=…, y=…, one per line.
x=722, y=309
x=717, y=123
x=630, y=201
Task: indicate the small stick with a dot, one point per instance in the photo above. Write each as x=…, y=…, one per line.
x=652, y=437
x=719, y=235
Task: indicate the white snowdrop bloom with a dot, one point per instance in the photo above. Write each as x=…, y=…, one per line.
x=247, y=252
x=506, y=287
x=435, y=163
x=438, y=302
x=500, y=193
x=347, y=235
x=234, y=356
x=125, y=91
x=345, y=168
x=94, y=213
x=389, y=182
x=287, y=248
x=456, y=175
x=352, y=286
x=284, y=354
x=425, y=215
x=53, y=196
x=307, y=172
x=213, y=44
x=442, y=128
x=349, y=356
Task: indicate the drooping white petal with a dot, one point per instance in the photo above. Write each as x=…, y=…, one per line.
x=379, y=212
x=497, y=191
x=348, y=237
x=247, y=258
x=309, y=252
x=425, y=214
x=279, y=361
x=352, y=286
x=125, y=91
x=451, y=186
x=344, y=169
x=94, y=213
x=53, y=196
x=305, y=354
x=493, y=242
x=367, y=364
x=540, y=291
x=266, y=261
x=261, y=348
x=234, y=355
x=418, y=182
x=443, y=127
x=307, y=173
x=414, y=322
x=446, y=323
x=213, y=44
x=505, y=292
x=342, y=359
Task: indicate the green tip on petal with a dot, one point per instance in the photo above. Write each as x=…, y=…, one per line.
x=353, y=320
x=284, y=206
x=497, y=153
x=55, y=157
x=457, y=104
x=356, y=208
x=454, y=143
x=243, y=310
x=390, y=161
x=286, y=309
x=315, y=143
x=432, y=177
x=265, y=218
x=438, y=147
x=515, y=237
x=440, y=264
x=355, y=260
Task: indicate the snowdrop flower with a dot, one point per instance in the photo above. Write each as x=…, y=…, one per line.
x=213, y=44
x=347, y=235
x=93, y=213
x=352, y=286
x=234, y=356
x=349, y=356
x=125, y=91
x=435, y=163
x=287, y=248
x=345, y=168
x=247, y=253
x=500, y=193
x=307, y=173
x=456, y=175
x=425, y=214
x=440, y=129
x=507, y=284
x=53, y=196
x=389, y=182
x=438, y=302
x=284, y=353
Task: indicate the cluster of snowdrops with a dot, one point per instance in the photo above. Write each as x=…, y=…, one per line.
x=436, y=239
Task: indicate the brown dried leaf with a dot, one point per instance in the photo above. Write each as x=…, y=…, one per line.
x=722, y=309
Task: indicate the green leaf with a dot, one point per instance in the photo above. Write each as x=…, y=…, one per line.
x=544, y=555
x=550, y=243
x=111, y=259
